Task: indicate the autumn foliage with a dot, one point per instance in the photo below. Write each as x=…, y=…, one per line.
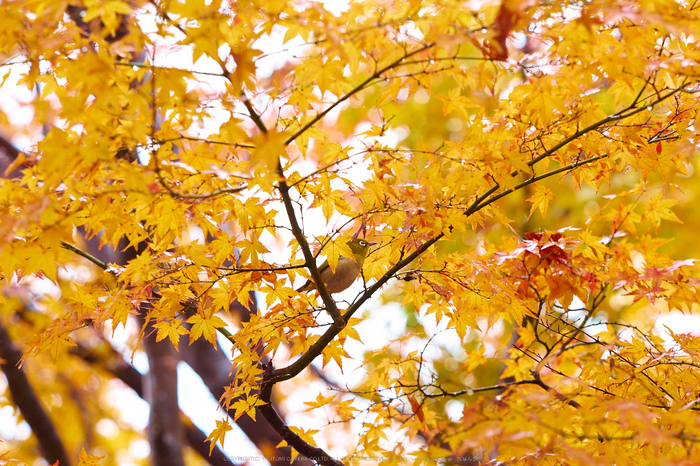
x=526, y=170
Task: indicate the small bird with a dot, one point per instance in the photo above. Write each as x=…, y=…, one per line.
x=346, y=271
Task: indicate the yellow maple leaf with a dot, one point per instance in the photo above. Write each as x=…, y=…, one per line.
x=660, y=209
x=107, y=11
x=170, y=328
x=320, y=402
x=277, y=291
x=205, y=326
x=346, y=410
x=88, y=460
x=540, y=200
x=334, y=351
x=58, y=344
x=218, y=434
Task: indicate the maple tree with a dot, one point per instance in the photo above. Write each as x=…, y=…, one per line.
x=522, y=167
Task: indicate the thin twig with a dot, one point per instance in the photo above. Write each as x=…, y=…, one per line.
x=84, y=254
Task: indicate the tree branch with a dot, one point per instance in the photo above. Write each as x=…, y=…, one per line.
x=278, y=375
x=29, y=405
x=535, y=179
x=310, y=260
x=314, y=453
x=85, y=254
x=621, y=115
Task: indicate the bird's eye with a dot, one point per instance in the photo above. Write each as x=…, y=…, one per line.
x=363, y=243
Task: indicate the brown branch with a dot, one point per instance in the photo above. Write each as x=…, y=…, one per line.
x=629, y=111
x=139, y=64
x=285, y=373
x=310, y=260
x=28, y=404
x=249, y=106
x=621, y=115
x=209, y=141
x=214, y=368
x=537, y=178
x=8, y=154
x=314, y=453
x=559, y=396
x=268, y=411
x=84, y=254
x=471, y=391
